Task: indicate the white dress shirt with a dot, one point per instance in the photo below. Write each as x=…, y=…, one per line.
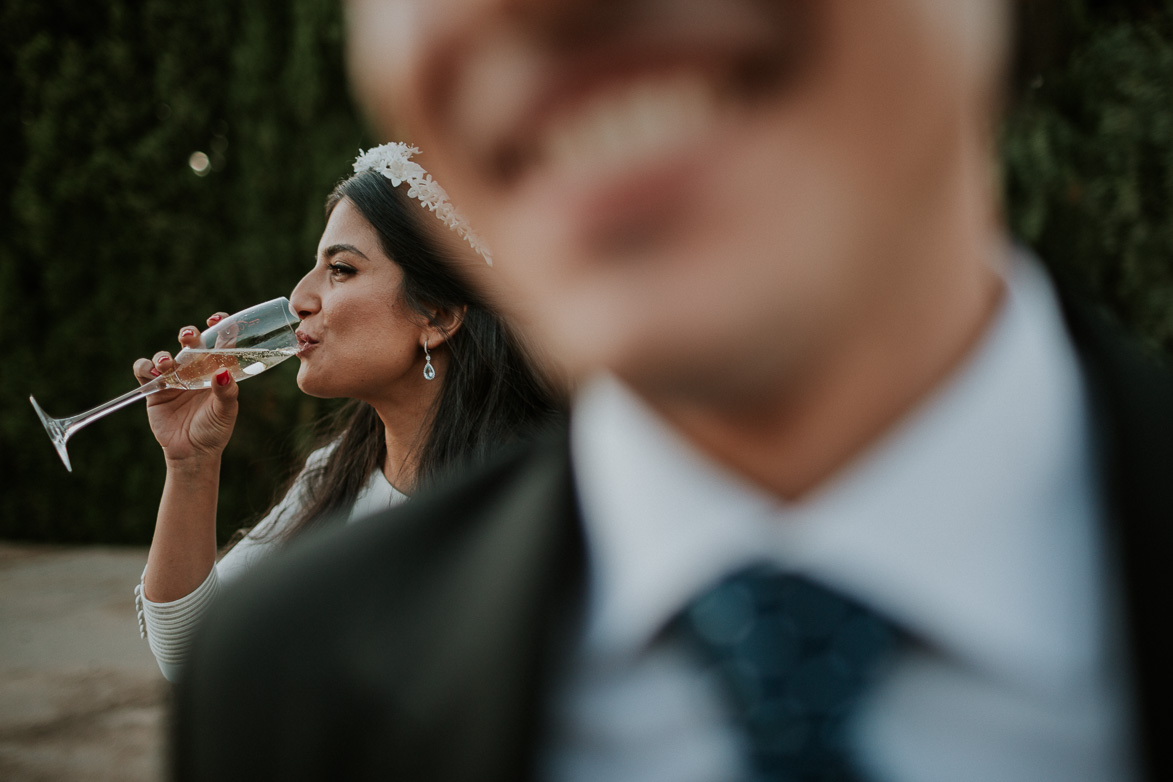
x=976, y=524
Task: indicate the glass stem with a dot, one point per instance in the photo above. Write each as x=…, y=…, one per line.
x=77, y=422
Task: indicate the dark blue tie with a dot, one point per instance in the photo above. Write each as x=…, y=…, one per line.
x=795, y=658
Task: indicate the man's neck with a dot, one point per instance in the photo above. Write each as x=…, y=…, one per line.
x=823, y=415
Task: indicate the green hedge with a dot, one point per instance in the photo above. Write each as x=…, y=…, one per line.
x=109, y=242
x=1088, y=159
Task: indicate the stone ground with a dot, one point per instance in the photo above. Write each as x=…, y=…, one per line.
x=80, y=695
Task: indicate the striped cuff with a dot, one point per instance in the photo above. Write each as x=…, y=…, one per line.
x=169, y=627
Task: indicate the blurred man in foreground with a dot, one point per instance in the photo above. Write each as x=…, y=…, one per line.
x=764, y=236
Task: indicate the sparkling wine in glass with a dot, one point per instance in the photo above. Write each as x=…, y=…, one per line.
x=246, y=344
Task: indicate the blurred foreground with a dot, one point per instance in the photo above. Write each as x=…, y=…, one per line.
x=80, y=694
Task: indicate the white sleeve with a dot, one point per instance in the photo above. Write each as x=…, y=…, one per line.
x=170, y=627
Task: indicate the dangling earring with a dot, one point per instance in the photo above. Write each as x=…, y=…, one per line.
x=429, y=370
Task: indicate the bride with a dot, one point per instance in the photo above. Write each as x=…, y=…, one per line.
x=436, y=380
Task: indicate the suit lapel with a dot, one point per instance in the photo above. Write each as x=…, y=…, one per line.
x=1133, y=404
x=504, y=587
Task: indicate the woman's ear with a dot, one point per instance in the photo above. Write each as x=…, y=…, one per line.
x=442, y=325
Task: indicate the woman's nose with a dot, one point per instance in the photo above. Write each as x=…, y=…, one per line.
x=303, y=301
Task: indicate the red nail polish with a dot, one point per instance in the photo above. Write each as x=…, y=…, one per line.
x=165, y=358
x=214, y=318
x=187, y=333
x=155, y=372
x=222, y=377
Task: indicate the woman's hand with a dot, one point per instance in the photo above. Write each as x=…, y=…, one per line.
x=190, y=425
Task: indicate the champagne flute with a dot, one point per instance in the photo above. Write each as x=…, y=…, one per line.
x=246, y=344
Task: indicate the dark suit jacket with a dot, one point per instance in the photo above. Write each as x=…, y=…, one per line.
x=418, y=647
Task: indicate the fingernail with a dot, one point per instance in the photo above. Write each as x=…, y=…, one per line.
x=155, y=372
x=214, y=318
x=187, y=333
x=222, y=377
x=165, y=358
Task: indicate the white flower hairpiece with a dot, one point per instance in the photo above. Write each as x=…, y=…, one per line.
x=394, y=162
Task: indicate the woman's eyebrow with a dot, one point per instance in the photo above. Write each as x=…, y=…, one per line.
x=334, y=249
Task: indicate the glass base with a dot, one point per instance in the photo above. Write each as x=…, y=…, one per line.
x=56, y=433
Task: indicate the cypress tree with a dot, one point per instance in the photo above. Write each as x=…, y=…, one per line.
x=112, y=242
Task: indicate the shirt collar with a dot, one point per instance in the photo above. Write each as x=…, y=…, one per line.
x=973, y=522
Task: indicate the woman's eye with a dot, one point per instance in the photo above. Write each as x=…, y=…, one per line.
x=340, y=270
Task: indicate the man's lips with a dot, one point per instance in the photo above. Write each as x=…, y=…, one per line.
x=629, y=124
x=615, y=122
x=609, y=103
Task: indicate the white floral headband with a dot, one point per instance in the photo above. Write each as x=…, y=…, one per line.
x=394, y=162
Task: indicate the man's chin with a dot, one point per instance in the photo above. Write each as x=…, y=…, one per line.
x=655, y=370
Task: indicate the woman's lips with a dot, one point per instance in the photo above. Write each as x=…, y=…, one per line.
x=305, y=343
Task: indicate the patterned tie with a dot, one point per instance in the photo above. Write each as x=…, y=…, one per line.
x=794, y=658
